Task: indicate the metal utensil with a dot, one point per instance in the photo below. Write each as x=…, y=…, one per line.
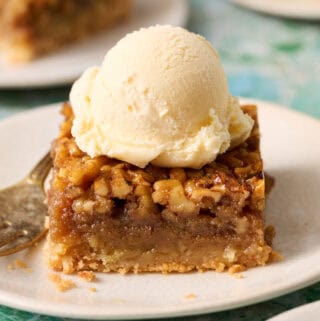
x=23, y=210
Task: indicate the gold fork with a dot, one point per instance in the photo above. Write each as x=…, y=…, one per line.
x=23, y=210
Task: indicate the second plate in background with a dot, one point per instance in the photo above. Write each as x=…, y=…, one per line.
x=68, y=63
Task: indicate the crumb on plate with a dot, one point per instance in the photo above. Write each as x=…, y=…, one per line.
x=20, y=264
x=238, y=275
x=190, y=296
x=10, y=267
x=61, y=284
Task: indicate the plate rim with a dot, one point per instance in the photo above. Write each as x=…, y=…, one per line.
x=273, y=10
x=169, y=313
x=300, y=308
x=197, y=308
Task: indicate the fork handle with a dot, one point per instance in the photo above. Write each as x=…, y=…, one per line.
x=41, y=170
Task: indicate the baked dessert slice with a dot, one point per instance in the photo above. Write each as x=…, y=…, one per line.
x=107, y=215
x=29, y=28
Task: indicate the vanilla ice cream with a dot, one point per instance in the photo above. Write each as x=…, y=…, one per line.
x=161, y=96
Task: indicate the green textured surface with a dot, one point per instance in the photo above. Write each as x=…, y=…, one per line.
x=266, y=58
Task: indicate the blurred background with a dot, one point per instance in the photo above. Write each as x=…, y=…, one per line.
x=265, y=57
x=270, y=57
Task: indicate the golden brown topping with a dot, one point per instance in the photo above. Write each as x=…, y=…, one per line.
x=197, y=194
x=99, y=205
x=74, y=150
x=171, y=193
x=82, y=205
x=102, y=205
x=101, y=187
x=257, y=187
x=139, y=177
x=79, y=171
x=74, y=191
x=119, y=186
x=144, y=207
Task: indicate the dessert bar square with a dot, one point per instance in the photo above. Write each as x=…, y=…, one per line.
x=29, y=28
x=107, y=215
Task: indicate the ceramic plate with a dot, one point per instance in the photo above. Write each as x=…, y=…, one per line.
x=298, y=9
x=74, y=59
x=291, y=150
x=308, y=312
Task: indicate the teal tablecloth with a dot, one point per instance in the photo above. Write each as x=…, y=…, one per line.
x=266, y=58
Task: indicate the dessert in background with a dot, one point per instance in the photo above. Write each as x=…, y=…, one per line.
x=156, y=167
x=30, y=28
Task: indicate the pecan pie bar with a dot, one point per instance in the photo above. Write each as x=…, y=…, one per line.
x=107, y=215
x=29, y=28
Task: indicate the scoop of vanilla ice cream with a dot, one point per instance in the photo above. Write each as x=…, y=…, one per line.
x=161, y=96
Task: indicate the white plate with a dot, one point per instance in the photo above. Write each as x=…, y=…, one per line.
x=298, y=9
x=291, y=149
x=72, y=60
x=308, y=312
